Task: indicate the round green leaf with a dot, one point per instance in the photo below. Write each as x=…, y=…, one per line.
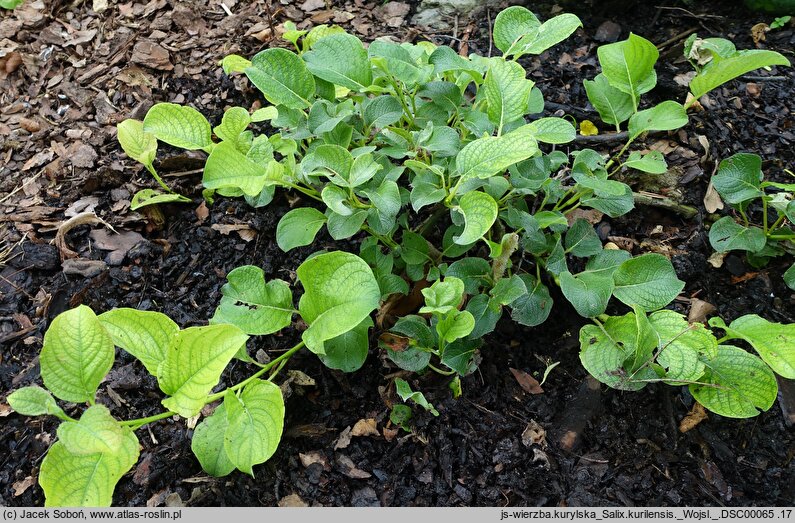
x=208, y=444
x=256, y=307
x=138, y=144
x=96, y=431
x=342, y=60
x=34, y=401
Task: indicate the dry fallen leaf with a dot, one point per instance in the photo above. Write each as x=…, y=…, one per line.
x=293, y=500
x=534, y=434
x=699, y=310
x=80, y=219
x=712, y=200
x=310, y=458
x=759, y=31
x=527, y=382
x=21, y=486
x=716, y=259
x=696, y=415
x=343, y=440
x=350, y=469
x=365, y=427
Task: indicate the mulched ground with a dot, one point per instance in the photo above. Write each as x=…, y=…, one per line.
x=69, y=73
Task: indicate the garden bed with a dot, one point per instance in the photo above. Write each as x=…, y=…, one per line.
x=82, y=72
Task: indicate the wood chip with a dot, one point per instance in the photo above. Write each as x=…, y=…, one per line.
x=365, y=427
x=292, y=500
x=527, y=382
x=696, y=415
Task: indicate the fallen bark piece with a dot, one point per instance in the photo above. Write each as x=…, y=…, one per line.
x=83, y=267
x=696, y=415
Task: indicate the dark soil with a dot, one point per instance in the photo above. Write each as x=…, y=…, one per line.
x=629, y=452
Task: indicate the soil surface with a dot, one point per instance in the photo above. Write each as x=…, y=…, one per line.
x=70, y=73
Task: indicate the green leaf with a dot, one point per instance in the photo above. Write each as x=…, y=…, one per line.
x=282, y=77
x=397, y=59
x=146, y=197
x=35, y=401
x=233, y=123
x=582, y=240
x=234, y=63
x=144, y=334
x=512, y=26
x=488, y=156
x=739, y=178
x=614, y=106
x=681, y=345
x=553, y=130
x=96, y=432
x=342, y=60
x=721, y=71
x=255, y=420
x=454, y=325
x=629, y=65
x=382, y=111
x=789, y=277
x=507, y=92
x=443, y=296
x=342, y=227
x=459, y=355
x=227, y=168
x=10, y=4
x=774, y=342
x=508, y=290
x=607, y=261
x=299, y=227
x=414, y=249
x=251, y=304
x=480, y=212
x=725, y=235
x=208, y=444
x=652, y=162
x=474, y=272
x=264, y=114
x=178, y=125
x=736, y=384
x=486, y=317
x=615, y=353
x=588, y=292
x=403, y=390
x=194, y=362
x=533, y=308
x=612, y=205
x=138, y=144
x=551, y=32
x=85, y=480
x=76, y=356
x=340, y=291
x=416, y=356
x=665, y=116
x=648, y=281
x=348, y=351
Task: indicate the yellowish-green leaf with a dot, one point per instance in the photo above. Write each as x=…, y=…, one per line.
x=144, y=334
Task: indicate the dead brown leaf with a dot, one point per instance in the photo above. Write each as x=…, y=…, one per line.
x=395, y=342
x=526, y=381
x=365, y=427
x=292, y=500
x=21, y=486
x=343, y=440
x=534, y=434
x=350, y=469
x=245, y=232
x=759, y=32
x=310, y=458
x=696, y=415
x=699, y=310
x=80, y=219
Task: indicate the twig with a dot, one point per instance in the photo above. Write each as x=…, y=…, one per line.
x=677, y=37
x=12, y=193
x=751, y=78
x=603, y=138
x=657, y=200
x=577, y=112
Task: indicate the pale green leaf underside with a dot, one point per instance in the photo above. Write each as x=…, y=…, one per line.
x=178, y=125
x=737, y=384
x=488, y=156
x=507, y=91
x=666, y=116
x=480, y=212
x=76, y=355
x=774, y=342
x=722, y=71
x=342, y=60
x=194, y=362
x=96, y=431
x=227, y=167
x=282, y=77
x=629, y=65
x=34, y=401
x=144, y=334
x=146, y=197
x=255, y=420
x=138, y=144
x=79, y=480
